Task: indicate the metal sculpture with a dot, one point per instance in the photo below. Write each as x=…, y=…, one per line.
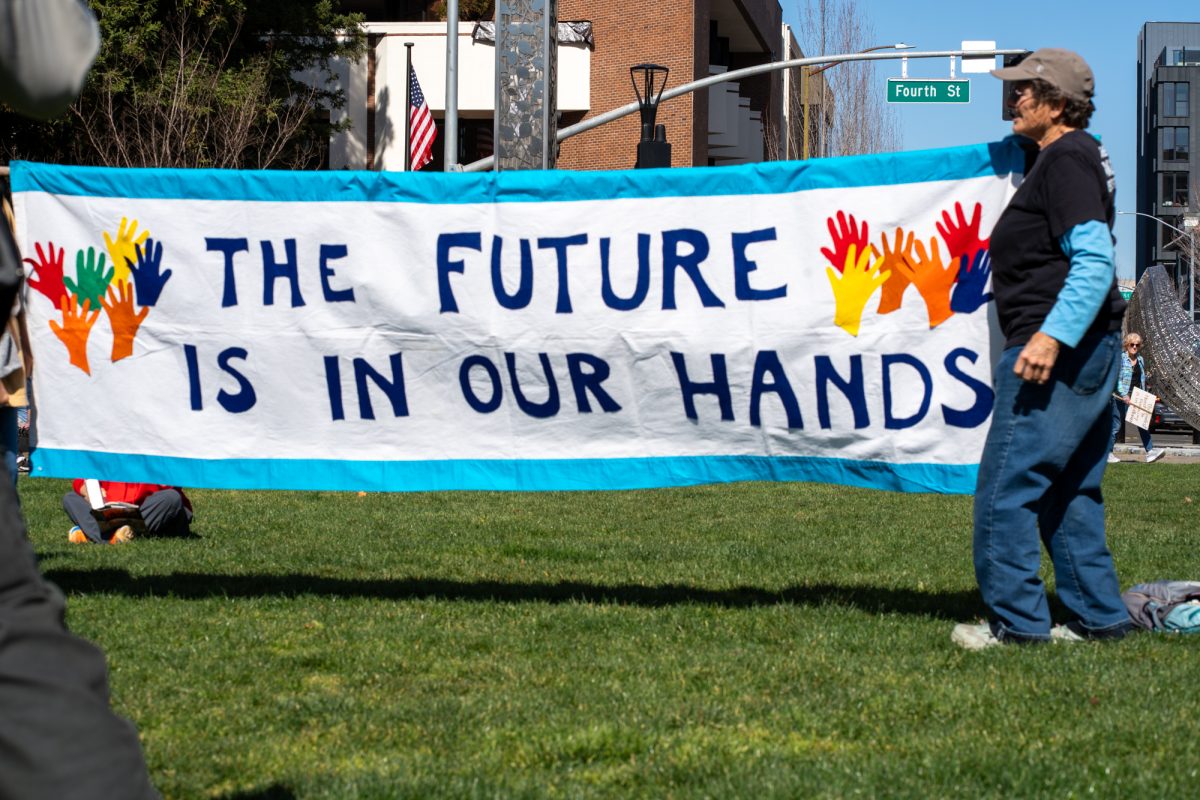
x=1172, y=349
x=526, y=128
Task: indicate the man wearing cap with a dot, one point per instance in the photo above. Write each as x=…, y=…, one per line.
x=1054, y=281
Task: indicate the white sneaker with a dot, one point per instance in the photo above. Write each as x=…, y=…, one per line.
x=1155, y=455
x=1112, y=458
x=1061, y=633
x=973, y=637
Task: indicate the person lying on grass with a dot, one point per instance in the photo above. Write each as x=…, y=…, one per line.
x=122, y=510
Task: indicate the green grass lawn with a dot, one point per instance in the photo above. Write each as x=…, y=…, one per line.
x=737, y=641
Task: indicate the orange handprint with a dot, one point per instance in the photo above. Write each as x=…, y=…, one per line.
x=893, y=288
x=75, y=329
x=122, y=319
x=962, y=237
x=932, y=279
x=859, y=279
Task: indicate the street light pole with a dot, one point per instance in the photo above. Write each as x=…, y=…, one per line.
x=807, y=73
x=1191, y=256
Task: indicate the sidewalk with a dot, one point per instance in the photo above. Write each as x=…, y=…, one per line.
x=1175, y=454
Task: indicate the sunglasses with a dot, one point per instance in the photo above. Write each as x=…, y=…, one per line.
x=1017, y=92
x=1134, y=344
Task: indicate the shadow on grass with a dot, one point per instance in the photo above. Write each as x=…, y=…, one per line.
x=197, y=586
x=275, y=792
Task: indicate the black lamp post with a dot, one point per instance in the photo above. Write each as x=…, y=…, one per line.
x=653, y=150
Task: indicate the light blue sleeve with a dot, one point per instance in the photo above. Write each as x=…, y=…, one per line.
x=1089, y=247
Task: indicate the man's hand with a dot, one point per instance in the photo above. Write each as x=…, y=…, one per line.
x=1037, y=358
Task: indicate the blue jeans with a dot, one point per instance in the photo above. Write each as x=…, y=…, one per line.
x=1118, y=419
x=1040, y=474
x=8, y=440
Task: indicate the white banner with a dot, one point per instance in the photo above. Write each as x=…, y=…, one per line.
x=553, y=330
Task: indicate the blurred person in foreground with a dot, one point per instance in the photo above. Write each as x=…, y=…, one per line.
x=59, y=740
x=15, y=368
x=1132, y=375
x=1054, y=281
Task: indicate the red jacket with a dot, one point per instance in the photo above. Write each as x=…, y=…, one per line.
x=135, y=493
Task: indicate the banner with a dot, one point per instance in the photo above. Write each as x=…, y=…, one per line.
x=824, y=321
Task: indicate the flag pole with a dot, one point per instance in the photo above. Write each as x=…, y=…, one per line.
x=408, y=46
x=451, y=126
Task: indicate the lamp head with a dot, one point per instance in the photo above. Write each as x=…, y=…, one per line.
x=653, y=79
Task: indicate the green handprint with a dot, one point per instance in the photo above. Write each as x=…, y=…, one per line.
x=91, y=280
x=854, y=286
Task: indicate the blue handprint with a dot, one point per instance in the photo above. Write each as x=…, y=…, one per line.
x=968, y=290
x=147, y=279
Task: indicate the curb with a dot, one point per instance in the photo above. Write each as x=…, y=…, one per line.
x=1191, y=451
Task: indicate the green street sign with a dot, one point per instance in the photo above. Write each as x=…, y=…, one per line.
x=928, y=90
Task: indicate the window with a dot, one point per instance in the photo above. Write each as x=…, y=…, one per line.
x=1184, y=57
x=1175, y=98
x=1174, y=189
x=1168, y=239
x=1175, y=144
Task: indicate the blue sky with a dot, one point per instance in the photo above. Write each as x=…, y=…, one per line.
x=1104, y=32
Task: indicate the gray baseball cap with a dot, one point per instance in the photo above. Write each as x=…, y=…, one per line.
x=1062, y=69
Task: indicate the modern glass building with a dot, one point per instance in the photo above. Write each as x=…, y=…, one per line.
x=1168, y=85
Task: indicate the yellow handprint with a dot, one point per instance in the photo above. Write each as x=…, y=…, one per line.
x=854, y=287
x=123, y=249
x=893, y=288
x=932, y=279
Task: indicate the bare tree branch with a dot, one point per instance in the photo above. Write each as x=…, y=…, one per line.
x=862, y=120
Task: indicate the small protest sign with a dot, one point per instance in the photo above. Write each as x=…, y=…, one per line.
x=1141, y=408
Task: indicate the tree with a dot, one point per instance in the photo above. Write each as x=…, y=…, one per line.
x=472, y=10
x=862, y=120
x=202, y=83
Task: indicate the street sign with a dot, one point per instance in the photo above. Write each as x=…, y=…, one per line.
x=978, y=64
x=928, y=90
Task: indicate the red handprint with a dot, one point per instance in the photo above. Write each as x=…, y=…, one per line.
x=962, y=237
x=845, y=234
x=49, y=273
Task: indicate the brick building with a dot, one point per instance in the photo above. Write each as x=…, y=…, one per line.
x=728, y=124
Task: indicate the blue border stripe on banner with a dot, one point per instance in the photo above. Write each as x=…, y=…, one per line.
x=956, y=163
x=501, y=474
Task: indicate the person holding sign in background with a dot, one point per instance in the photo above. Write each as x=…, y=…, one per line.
x=1054, y=281
x=1133, y=374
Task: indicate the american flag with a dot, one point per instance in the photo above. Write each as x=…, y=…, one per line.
x=420, y=145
